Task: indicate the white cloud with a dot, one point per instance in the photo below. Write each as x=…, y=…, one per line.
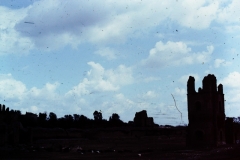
x=229, y=16
x=195, y=14
x=47, y=98
x=57, y=24
x=35, y=99
x=230, y=13
x=47, y=92
x=231, y=80
x=106, y=52
x=147, y=95
x=150, y=94
x=99, y=79
x=11, y=88
x=221, y=62
x=231, y=89
x=175, y=53
x=10, y=39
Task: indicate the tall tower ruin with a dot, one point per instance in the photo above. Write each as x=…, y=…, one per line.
x=206, y=113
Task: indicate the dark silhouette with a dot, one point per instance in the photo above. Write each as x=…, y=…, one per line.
x=206, y=114
x=114, y=117
x=142, y=120
x=76, y=117
x=115, y=120
x=97, y=116
x=42, y=117
x=52, y=117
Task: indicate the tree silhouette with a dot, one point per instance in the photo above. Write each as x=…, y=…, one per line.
x=52, y=120
x=83, y=118
x=42, y=117
x=114, y=120
x=97, y=115
x=114, y=117
x=18, y=112
x=69, y=118
x=76, y=117
x=52, y=117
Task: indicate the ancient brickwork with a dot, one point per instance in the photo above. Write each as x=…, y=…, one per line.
x=206, y=113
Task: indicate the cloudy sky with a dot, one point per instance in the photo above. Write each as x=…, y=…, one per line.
x=119, y=57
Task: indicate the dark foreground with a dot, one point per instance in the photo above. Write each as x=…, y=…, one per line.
x=117, y=148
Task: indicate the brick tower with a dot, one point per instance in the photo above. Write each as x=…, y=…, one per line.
x=206, y=113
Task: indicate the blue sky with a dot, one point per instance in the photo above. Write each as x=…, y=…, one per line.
x=119, y=57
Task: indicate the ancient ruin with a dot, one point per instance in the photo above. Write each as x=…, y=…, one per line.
x=142, y=120
x=206, y=113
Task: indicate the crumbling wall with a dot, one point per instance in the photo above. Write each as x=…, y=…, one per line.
x=142, y=120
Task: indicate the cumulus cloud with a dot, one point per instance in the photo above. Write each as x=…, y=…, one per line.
x=232, y=88
x=56, y=24
x=35, y=99
x=221, y=62
x=11, y=41
x=231, y=79
x=195, y=14
x=47, y=92
x=232, y=93
x=47, y=98
x=175, y=53
x=228, y=14
x=11, y=88
x=100, y=79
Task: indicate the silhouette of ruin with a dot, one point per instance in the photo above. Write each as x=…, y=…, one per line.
x=206, y=114
x=142, y=120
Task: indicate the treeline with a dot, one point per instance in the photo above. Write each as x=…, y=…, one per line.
x=74, y=121
x=68, y=121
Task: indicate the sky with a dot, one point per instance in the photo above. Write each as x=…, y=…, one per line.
x=75, y=57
